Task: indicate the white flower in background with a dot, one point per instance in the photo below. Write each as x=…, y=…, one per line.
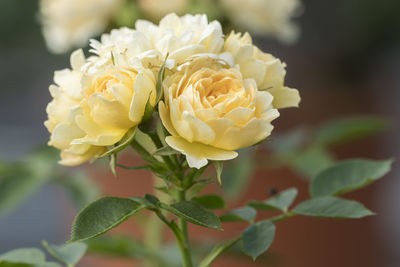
x=71, y=23
x=183, y=37
x=265, y=17
x=156, y=9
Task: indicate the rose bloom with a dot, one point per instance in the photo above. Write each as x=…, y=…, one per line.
x=182, y=37
x=265, y=17
x=92, y=111
x=70, y=23
x=268, y=71
x=156, y=9
x=210, y=111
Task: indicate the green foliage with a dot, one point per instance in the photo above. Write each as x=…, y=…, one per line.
x=101, y=216
x=194, y=213
x=348, y=175
x=19, y=180
x=210, y=201
x=70, y=254
x=120, y=246
x=348, y=129
x=217, y=250
x=307, y=151
x=244, y=214
x=165, y=151
x=332, y=207
x=25, y=257
x=312, y=160
x=281, y=201
x=257, y=238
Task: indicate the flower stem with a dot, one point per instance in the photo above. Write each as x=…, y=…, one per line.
x=181, y=240
x=186, y=255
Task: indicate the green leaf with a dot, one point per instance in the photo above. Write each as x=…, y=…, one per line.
x=281, y=201
x=24, y=256
x=19, y=180
x=311, y=161
x=124, y=142
x=16, y=184
x=332, y=207
x=210, y=201
x=165, y=151
x=347, y=176
x=69, y=254
x=219, y=165
x=148, y=204
x=257, y=238
x=160, y=79
x=101, y=216
x=152, y=199
x=120, y=246
x=348, y=129
x=49, y=264
x=194, y=213
x=245, y=214
x=289, y=141
x=238, y=173
x=195, y=190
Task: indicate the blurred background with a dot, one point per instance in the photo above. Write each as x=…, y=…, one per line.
x=346, y=62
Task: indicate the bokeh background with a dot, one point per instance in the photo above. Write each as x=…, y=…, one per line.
x=346, y=62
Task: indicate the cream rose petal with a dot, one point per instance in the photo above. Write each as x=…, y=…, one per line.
x=143, y=91
x=73, y=159
x=285, y=97
x=198, y=154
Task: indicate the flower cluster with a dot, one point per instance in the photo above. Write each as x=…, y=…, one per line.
x=219, y=94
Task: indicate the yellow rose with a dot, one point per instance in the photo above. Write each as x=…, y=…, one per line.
x=99, y=108
x=211, y=111
x=67, y=96
x=70, y=23
x=268, y=71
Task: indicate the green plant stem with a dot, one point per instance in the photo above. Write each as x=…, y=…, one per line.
x=157, y=142
x=186, y=255
x=281, y=217
x=145, y=154
x=219, y=249
x=182, y=242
